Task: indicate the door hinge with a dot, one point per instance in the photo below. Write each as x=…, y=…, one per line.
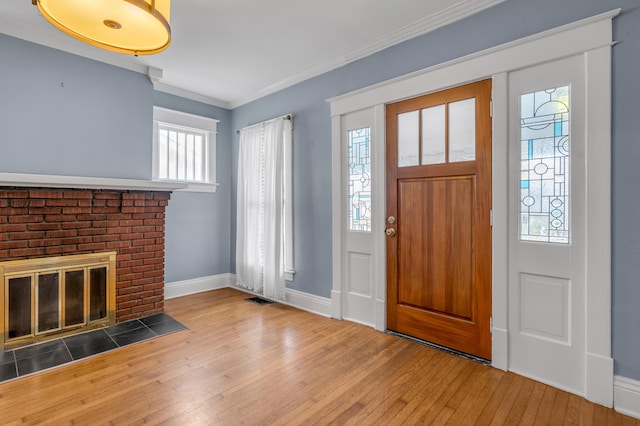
x=491, y=218
x=491, y=325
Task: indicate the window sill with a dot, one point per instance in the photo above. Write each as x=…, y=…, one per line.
x=288, y=275
x=194, y=187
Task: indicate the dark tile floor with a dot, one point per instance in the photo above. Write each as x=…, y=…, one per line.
x=31, y=359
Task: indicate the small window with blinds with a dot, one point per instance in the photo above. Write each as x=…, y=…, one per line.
x=184, y=149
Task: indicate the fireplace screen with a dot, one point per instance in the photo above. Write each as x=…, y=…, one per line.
x=51, y=296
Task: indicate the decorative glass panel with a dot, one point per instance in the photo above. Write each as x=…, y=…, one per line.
x=433, y=135
x=359, y=214
x=74, y=298
x=408, y=139
x=544, y=159
x=48, y=302
x=462, y=130
x=19, y=305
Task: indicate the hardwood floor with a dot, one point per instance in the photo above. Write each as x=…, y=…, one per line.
x=240, y=363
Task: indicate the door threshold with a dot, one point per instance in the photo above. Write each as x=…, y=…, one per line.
x=440, y=347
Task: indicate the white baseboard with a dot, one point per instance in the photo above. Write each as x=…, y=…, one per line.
x=308, y=302
x=599, y=388
x=197, y=285
x=626, y=396
x=500, y=348
x=298, y=299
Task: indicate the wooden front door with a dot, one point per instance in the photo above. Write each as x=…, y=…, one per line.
x=438, y=175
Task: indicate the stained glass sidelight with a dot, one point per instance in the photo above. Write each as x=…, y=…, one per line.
x=544, y=166
x=359, y=193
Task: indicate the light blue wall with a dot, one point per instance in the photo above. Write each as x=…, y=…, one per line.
x=503, y=23
x=197, y=226
x=63, y=114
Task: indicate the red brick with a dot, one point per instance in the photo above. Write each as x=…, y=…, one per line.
x=141, y=243
x=141, y=308
x=62, y=203
x=45, y=242
x=18, y=227
x=26, y=219
x=13, y=245
x=153, y=274
x=61, y=234
x=111, y=245
x=153, y=299
x=153, y=235
x=11, y=211
x=76, y=210
x=133, y=210
x=42, y=226
x=38, y=202
x=142, y=294
x=106, y=195
x=59, y=218
x=105, y=238
x=76, y=195
x=128, y=277
x=14, y=194
x=113, y=203
x=85, y=203
x=131, y=223
x=132, y=196
x=45, y=194
x=4, y=203
x=143, y=229
x=61, y=249
x=4, y=254
x=26, y=252
x=21, y=202
x=99, y=203
x=144, y=216
x=154, y=247
x=76, y=225
x=92, y=231
x=136, y=256
x=166, y=196
x=26, y=235
x=45, y=210
x=154, y=286
x=106, y=209
x=128, y=304
x=128, y=290
x=154, y=222
x=146, y=268
x=123, y=298
x=92, y=246
x=76, y=240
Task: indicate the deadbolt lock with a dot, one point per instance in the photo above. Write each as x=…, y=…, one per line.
x=391, y=220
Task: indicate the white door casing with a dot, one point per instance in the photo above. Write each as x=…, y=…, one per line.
x=591, y=39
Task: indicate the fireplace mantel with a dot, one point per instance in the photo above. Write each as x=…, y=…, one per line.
x=82, y=182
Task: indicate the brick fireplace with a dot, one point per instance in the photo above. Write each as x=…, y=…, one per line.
x=47, y=222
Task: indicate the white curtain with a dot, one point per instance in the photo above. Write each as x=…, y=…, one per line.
x=259, y=243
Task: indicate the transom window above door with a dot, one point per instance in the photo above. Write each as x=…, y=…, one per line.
x=442, y=133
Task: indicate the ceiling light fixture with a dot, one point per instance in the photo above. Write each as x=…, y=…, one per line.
x=138, y=27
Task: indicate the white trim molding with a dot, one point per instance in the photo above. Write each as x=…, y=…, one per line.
x=85, y=182
x=626, y=396
x=197, y=285
x=592, y=38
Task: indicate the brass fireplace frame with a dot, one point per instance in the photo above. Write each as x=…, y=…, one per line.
x=62, y=265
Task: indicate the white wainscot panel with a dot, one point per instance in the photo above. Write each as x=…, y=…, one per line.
x=544, y=307
x=359, y=274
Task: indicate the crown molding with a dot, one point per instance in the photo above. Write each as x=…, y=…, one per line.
x=430, y=23
x=183, y=93
x=67, y=44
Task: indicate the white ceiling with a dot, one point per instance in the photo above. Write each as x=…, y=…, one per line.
x=230, y=52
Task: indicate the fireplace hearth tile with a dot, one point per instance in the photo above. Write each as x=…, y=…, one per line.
x=8, y=371
x=133, y=336
x=124, y=327
x=156, y=319
x=43, y=360
x=166, y=327
x=31, y=359
x=87, y=344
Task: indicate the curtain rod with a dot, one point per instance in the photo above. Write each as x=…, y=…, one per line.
x=284, y=117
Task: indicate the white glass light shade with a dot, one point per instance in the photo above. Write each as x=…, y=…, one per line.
x=138, y=27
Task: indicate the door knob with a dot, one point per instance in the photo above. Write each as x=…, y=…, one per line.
x=390, y=232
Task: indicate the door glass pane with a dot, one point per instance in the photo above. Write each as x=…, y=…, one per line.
x=433, y=135
x=97, y=294
x=19, y=305
x=408, y=137
x=48, y=302
x=544, y=165
x=462, y=130
x=359, y=202
x=74, y=298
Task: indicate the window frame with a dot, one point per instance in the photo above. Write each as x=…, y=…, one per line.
x=189, y=121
